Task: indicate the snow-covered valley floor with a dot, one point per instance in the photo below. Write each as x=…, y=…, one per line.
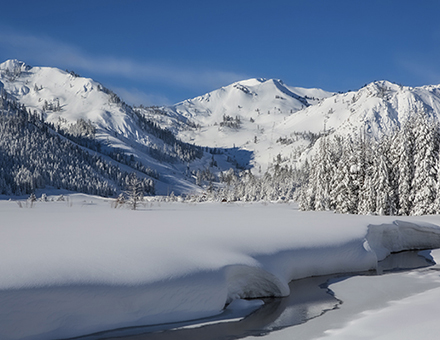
x=78, y=267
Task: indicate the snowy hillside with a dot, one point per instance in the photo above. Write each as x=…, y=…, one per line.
x=246, y=114
x=378, y=108
x=270, y=118
x=81, y=107
x=62, y=97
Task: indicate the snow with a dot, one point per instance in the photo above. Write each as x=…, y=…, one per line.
x=407, y=310
x=415, y=315
x=262, y=106
x=77, y=267
x=275, y=118
x=86, y=99
x=281, y=111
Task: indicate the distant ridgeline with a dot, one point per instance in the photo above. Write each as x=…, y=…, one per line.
x=34, y=154
x=398, y=175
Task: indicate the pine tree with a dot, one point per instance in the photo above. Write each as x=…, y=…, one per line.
x=322, y=176
x=436, y=207
x=405, y=168
x=367, y=190
x=425, y=174
x=135, y=192
x=345, y=193
x=381, y=182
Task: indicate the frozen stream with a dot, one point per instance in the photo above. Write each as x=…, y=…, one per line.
x=310, y=299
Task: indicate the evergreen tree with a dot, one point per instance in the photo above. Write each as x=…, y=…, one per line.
x=425, y=174
x=322, y=176
x=381, y=182
x=345, y=191
x=405, y=168
x=135, y=192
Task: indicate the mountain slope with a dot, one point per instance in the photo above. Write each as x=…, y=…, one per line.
x=379, y=108
x=33, y=156
x=244, y=114
x=80, y=107
x=249, y=97
x=87, y=113
x=280, y=123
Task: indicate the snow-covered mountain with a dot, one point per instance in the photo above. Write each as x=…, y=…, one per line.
x=275, y=121
x=83, y=107
x=379, y=108
x=243, y=115
x=249, y=124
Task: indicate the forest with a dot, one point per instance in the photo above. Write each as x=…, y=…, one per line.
x=396, y=175
x=33, y=155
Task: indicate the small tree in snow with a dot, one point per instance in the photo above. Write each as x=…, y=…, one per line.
x=135, y=192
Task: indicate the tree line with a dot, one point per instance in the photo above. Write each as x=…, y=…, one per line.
x=397, y=175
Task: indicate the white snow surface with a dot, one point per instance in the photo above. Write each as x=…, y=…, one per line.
x=78, y=267
x=409, y=315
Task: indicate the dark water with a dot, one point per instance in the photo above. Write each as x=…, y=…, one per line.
x=309, y=299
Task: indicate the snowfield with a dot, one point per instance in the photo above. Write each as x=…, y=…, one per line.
x=76, y=267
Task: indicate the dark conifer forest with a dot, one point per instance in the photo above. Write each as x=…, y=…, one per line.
x=33, y=155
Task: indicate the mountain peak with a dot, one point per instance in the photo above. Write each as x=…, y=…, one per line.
x=259, y=81
x=380, y=85
x=14, y=65
x=251, y=81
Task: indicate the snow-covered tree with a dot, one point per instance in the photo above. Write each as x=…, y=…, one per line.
x=425, y=173
x=322, y=176
x=135, y=192
x=382, y=184
x=345, y=189
x=405, y=167
x=397, y=175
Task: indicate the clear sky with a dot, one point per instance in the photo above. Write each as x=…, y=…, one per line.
x=164, y=51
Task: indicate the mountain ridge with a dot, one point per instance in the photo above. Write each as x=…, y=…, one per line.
x=249, y=124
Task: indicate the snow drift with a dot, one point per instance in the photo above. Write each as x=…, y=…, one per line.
x=72, y=270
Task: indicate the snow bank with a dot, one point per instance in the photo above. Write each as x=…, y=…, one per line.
x=402, y=235
x=82, y=267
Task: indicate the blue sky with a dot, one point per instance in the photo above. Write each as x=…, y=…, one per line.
x=162, y=52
